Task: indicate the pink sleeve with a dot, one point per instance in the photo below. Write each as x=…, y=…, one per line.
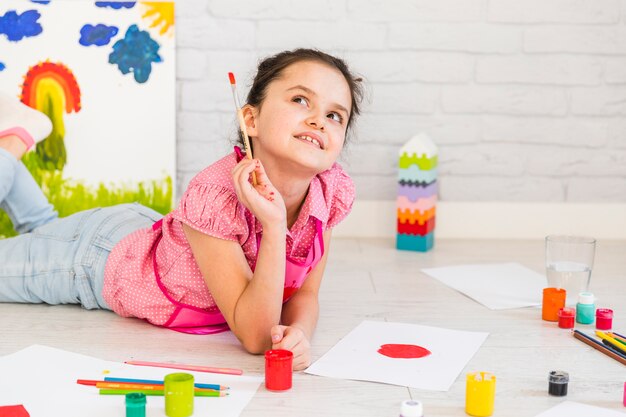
x=342, y=198
x=214, y=210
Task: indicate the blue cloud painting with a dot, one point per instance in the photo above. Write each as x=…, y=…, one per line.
x=116, y=4
x=136, y=53
x=18, y=26
x=2, y=66
x=98, y=35
x=41, y=1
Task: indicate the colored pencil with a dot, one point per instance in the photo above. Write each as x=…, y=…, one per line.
x=598, y=346
x=87, y=382
x=131, y=385
x=229, y=371
x=617, y=337
x=127, y=385
x=613, y=348
x=142, y=387
x=160, y=392
x=158, y=382
x=611, y=342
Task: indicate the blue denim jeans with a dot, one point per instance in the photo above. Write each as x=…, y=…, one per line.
x=57, y=260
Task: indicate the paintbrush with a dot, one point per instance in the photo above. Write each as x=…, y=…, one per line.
x=242, y=123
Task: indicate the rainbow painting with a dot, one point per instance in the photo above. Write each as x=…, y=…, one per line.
x=52, y=89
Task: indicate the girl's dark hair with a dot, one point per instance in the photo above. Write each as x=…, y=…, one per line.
x=273, y=67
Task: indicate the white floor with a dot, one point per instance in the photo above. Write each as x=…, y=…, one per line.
x=367, y=279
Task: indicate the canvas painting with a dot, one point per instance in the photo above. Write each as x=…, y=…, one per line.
x=104, y=73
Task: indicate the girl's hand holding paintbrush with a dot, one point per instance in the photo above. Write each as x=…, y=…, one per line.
x=258, y=195
x=262, y=199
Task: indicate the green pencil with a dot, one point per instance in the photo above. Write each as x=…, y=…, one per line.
x=159, y=392
x=617, y=337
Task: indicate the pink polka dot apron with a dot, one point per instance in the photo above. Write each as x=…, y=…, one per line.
x=194, y=320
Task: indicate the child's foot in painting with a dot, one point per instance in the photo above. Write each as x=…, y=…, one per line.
x=17, y=120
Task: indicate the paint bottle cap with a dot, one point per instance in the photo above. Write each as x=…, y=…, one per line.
x=604, y=313
x=558, y=377
x=586, y=298
x=411, y=408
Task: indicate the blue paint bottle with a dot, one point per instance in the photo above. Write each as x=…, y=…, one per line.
x=586, y=308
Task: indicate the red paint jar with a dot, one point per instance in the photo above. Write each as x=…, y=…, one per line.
x=604, y=319
x=278, y=369
x=567, y=316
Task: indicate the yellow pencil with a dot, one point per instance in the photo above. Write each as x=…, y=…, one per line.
x=614, y=343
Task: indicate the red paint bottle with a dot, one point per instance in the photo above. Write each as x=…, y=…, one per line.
x=567, y=316
x=604, y=319
x=278, y=369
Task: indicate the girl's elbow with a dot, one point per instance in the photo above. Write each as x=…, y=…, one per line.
x=254, y=345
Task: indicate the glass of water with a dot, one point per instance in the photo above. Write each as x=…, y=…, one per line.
x=569, y=261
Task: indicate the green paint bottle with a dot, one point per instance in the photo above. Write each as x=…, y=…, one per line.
x=586, y=308
x=135, y=405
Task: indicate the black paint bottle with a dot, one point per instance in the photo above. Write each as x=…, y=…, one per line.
x=558, y=383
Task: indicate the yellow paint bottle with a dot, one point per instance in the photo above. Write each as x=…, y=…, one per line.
x=480, y=394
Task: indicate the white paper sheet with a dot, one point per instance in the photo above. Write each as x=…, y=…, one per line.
x=356, y=355
x=496, y=286
x=573, y=409
x=43, y=379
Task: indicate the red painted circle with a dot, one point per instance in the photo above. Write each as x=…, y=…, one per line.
x=403, y=351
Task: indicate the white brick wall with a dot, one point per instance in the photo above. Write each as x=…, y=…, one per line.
x=526, y=99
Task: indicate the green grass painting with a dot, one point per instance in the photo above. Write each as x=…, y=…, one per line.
x=70, y=196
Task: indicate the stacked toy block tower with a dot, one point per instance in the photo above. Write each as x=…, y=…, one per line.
x=417, y=194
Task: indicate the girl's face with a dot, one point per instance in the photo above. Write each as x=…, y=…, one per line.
x=302, y=122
